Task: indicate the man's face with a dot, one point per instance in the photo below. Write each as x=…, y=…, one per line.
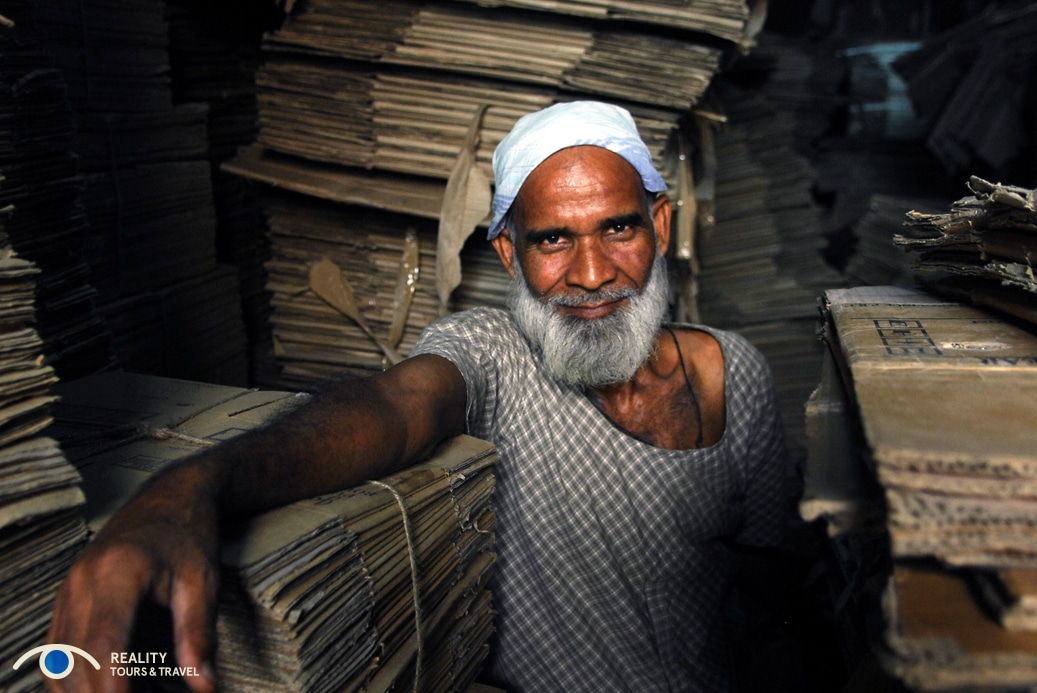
x=583, y=225
x=590, y=283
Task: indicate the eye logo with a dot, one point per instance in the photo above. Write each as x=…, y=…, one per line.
x=56, y=660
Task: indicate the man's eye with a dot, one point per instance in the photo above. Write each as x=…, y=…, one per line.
x=551, y=239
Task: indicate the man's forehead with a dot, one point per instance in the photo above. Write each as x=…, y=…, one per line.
x=588, y=160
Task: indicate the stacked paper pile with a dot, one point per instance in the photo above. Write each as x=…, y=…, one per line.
x=399, y=106
x=391, y=277
x=945, y=394
x=722, y=18
x=983, y=249
x=40, y=529
x=343, y=607
x=213, y=56
x=876, y=260
x=40, y=184
x=760, y=262
x=150, y=214
x=359, y=590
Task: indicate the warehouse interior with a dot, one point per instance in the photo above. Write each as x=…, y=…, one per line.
x=271, y=195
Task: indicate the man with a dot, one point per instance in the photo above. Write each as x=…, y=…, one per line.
x=634, y=455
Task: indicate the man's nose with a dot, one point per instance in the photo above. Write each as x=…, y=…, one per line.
x=591, y=267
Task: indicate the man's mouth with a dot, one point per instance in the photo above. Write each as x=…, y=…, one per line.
x=590, y=311
x=592, y=305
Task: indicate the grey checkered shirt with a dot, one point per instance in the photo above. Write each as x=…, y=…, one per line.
x=613, y=563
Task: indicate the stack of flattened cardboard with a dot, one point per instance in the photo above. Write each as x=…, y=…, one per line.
x=876, y=260
x=398, y=106
x=151, y=217
x=213, y=55
x=40, y=529
x=368, y=589
x=759, y=258
x=390, y=276
x=946, y=395
x=41, y=198
x=983, y=249
x=465, y=40
x=721, y=18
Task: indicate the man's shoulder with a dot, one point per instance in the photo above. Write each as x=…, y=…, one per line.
x=483, y=324
x=736, y=347
x=474, y=318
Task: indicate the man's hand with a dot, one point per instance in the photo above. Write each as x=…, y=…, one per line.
x=159, y=547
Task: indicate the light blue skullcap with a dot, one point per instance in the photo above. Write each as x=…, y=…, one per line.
x=536, y=136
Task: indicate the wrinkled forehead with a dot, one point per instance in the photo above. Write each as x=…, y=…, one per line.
x=579, y=171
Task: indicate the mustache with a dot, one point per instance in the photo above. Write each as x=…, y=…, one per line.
x=589, y=298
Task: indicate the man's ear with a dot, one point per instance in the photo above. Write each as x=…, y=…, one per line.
x=505, y=250
x=662, y=215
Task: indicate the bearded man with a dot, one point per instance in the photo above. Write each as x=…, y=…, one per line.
x=635, y=454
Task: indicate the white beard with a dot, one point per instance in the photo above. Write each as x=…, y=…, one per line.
x=599, y=351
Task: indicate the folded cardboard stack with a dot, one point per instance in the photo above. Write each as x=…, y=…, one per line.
x=759, y=245
x=41, y=197
x=943, y=396
x=150, y=218
x=982, y=250
x=368, y=589
x=40, y=530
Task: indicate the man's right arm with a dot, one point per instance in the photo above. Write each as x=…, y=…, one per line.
x=164, y=544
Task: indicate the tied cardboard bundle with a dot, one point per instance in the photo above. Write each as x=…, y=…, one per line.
x=373, y=588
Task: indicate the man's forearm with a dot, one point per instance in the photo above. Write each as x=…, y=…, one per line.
x=352, y=432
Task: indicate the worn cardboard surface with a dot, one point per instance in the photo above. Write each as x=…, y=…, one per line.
x=941, y=640
x=939, y=385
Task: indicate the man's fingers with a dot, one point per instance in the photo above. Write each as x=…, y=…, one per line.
x=193, y=604
x=94, y=611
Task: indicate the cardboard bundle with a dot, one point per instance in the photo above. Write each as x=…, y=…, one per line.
x=150, y=218
x=40, y=530
x=348, y=592
x=468, y=40
x=941, y=389
x=982, y=249
x=759, y=255
x=127, y=70
x=405, y=120
x=365, y=589
x=941, y=639
x=40, y=198
x=386, y=261
x=939, y=396
x=721, y=18
x=150, y=226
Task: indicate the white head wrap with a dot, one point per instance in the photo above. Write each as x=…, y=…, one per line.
x=538, y=135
